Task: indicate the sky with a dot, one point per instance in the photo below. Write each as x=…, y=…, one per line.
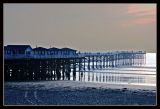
x=84, y=27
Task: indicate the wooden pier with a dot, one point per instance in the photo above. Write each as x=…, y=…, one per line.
x=61, y=68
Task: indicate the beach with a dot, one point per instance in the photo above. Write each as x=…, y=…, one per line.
x=77, y=93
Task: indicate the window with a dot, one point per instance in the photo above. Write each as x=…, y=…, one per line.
x=14, y=52
x=21, y=52
x=28, y=52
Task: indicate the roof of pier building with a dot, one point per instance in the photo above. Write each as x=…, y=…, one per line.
x=54, y=49
x=40, y=49
x=68, y=49
x=62, y=49
x=5, y=47
x=17, y=47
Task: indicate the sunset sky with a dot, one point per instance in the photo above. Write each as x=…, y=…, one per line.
x=85, y=27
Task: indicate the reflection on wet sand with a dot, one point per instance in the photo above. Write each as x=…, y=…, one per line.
x=117, y=78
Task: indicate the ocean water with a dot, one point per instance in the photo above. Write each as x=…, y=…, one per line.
x=136, y=75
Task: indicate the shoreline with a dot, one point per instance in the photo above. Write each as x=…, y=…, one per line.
x=80, y=84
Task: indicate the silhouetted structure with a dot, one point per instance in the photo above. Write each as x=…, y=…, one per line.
x=21, y=62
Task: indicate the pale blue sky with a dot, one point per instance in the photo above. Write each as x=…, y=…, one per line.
x=85, y=27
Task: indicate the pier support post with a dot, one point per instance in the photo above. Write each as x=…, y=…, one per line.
x=74, y=69
x=104, y=58
x=96, y=62
x=93, y=60
x=89, y=63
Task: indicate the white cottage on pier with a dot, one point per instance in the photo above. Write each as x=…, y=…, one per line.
x=17, y=51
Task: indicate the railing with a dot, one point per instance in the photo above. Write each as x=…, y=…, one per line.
x=78, y=55
x=39, y=56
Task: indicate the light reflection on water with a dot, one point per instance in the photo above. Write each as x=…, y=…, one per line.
x=117, y=78
x=144, y=75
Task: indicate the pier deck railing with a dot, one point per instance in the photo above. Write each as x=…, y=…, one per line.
x=78, y=55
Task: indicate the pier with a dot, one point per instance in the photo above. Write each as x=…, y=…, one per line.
x=61, y=66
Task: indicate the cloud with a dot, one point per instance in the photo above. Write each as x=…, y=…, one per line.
x=139, y=21
x=141, y=9
x=140, y=14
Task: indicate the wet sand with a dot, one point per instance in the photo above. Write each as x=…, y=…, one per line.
x=77, y=93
